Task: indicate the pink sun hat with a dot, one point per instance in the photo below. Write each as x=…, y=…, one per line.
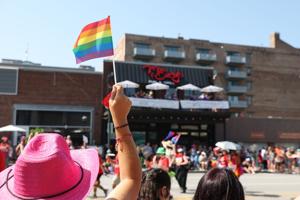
x=47, y=169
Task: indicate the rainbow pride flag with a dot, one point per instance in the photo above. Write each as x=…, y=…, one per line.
x=94, y=41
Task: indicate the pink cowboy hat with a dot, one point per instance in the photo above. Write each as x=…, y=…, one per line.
x=47, y=169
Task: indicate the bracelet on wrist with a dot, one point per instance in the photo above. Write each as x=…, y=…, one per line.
x=121, y=126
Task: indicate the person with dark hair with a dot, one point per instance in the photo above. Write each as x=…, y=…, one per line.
x=156, y=184
x=182, y=169
x=219, y=184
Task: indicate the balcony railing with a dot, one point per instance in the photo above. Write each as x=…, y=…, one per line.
x=236, y=89
x=206, y=57
x=174, y=104
x=139, y=52
x=174, y=55
x=238, y=104
x=240, y=74
x=236, y=59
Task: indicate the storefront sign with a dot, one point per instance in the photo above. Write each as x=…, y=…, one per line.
x=188, y=104
x=161, y=74
x=257, y=135
x=154, y=103
x=290, y=136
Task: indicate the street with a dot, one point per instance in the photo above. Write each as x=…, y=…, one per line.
x=261, y=186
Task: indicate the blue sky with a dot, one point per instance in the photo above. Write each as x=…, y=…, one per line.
x=50, y=27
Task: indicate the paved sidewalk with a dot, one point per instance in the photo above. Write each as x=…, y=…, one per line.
x=263, y=186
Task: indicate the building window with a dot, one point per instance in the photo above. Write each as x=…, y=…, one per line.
x=204, y=127
x=249, y=70
x=248, y=58
x=204, y=51
x=142, y=45
x=233, y=98
x=8, y=81
x=249, y=100
x=203, y=134
x=233, y=53
x=249, y=85
x=231, y=68
x=234, y=83
x=52, y=118
x=172, y=48
x=195, y=134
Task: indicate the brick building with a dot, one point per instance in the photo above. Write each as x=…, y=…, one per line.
x=262, y=84
x=63, y=100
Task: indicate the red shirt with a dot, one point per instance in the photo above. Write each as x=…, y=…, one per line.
x=116, y=167
x=162, y=163
x=100, y=166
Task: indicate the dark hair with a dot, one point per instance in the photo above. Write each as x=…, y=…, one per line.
x=152, y=181
x=219, y=184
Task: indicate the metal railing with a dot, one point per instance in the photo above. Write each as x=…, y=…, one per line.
x=236, y=74
x=206, y=57
x=238, y=104
x=174, y=54
x=235, y=59
x=148, y=52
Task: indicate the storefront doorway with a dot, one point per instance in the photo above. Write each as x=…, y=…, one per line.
x=65, y=120
x=154, y=133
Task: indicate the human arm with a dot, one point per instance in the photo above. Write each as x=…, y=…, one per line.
x=18, y=149
x=130, y=168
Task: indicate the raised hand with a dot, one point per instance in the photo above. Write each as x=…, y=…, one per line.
x=119, y=105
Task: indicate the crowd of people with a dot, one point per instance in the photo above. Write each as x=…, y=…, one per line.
x=142, y=173
x=172, y=94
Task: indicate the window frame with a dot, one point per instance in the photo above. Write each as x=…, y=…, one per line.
x=17, y=80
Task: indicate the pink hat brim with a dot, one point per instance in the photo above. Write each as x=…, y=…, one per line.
x=87, y=158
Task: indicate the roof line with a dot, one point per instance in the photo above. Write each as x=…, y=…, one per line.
x=48, y=68
x=163, y=64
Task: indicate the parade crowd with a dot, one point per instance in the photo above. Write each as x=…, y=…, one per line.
x=140, y=172
x=178, y=160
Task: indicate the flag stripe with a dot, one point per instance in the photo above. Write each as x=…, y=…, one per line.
x=90, y=38
x=175, y=139
x=99, y=41
x=95, y=30
x=95, y=55
x=170, y=135
x=96, y=24
x=98, y=48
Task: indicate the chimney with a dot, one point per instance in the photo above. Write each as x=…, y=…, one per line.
x=274, y=40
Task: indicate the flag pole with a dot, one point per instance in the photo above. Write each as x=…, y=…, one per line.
x=114, y=68
x=109, y=116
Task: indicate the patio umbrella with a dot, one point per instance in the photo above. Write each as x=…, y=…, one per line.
x=228, y=145
x=189, y=87
x=211, y=89
x=11, y=128
x=157, y=86
x=128, y=84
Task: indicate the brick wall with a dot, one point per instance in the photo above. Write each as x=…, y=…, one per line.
x=56, y=88
x=275, y=71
